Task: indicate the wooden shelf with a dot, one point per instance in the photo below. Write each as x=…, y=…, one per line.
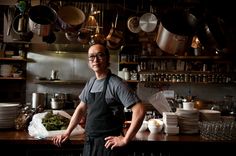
x=129, y=63
x=64, y=82
x=12, y=59
x=12, y=78
x=132, y=81
x=184, y=57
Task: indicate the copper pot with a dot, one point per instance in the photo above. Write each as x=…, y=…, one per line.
x=70, y=18
x=115, y=37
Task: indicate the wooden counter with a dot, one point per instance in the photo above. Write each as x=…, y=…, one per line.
x=143, y=144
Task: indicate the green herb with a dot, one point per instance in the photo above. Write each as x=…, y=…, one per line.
x=55, y=121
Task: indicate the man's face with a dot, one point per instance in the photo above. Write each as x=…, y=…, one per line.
x=98, y=61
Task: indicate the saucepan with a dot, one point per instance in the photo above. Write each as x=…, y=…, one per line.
x=115, y=37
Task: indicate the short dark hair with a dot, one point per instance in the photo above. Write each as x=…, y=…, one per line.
x=107, y=53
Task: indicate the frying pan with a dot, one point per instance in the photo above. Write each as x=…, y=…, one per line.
x=148, y=22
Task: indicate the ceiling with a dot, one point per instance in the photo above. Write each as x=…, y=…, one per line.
x=224, y=11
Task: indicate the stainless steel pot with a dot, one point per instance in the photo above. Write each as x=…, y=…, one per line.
x=41, y=19
x=170, y=42
x=38, y=100
x=57, y=103
x=176, y=31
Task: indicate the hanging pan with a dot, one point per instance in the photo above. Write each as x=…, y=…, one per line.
x=148, y=22
x=133, y=24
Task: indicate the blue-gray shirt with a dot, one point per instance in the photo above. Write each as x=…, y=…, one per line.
x=117, y=90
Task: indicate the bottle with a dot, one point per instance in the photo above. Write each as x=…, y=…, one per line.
x=126, y=74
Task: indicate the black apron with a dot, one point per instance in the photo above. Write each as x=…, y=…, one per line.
x=102, y=120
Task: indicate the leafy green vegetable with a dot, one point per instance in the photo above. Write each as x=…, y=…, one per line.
x=55, y=121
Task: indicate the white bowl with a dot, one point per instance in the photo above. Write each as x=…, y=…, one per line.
x=143, y=127
x=155, y=125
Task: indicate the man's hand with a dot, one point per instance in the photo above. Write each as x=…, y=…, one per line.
x=115, y=141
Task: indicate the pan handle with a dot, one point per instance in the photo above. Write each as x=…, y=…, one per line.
x=116, y=19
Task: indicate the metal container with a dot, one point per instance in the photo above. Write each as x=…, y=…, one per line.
x=57, y=103
x=176, y=31
x=38, y=100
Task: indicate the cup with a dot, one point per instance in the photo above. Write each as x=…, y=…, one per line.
x=188, y=105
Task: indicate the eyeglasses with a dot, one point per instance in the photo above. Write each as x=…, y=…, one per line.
x=99, y=55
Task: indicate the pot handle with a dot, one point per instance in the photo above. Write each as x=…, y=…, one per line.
x=116, y=19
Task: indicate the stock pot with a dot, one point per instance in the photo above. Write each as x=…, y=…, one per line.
x=41, y=19
x=176, y=31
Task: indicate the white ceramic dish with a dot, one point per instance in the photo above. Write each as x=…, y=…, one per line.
x=155, y=125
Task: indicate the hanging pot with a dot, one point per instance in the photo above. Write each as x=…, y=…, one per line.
x=84, y=36
x=20, y=28
x=115, y=37
x=175, y=32
x=133, y=24
x=211, y=34
x=19, y=24
x=71, y=36
x=41, y=19
x=171, y=42
x=70, y=18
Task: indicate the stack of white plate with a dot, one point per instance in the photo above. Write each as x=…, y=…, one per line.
x=188, y=120
x=8, y=114
x=209, y=115
x=170, y=118
x=170, y=123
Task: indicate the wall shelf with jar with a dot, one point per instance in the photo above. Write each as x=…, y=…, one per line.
x=191, y=69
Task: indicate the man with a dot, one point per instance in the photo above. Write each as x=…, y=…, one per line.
x=102, y=102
